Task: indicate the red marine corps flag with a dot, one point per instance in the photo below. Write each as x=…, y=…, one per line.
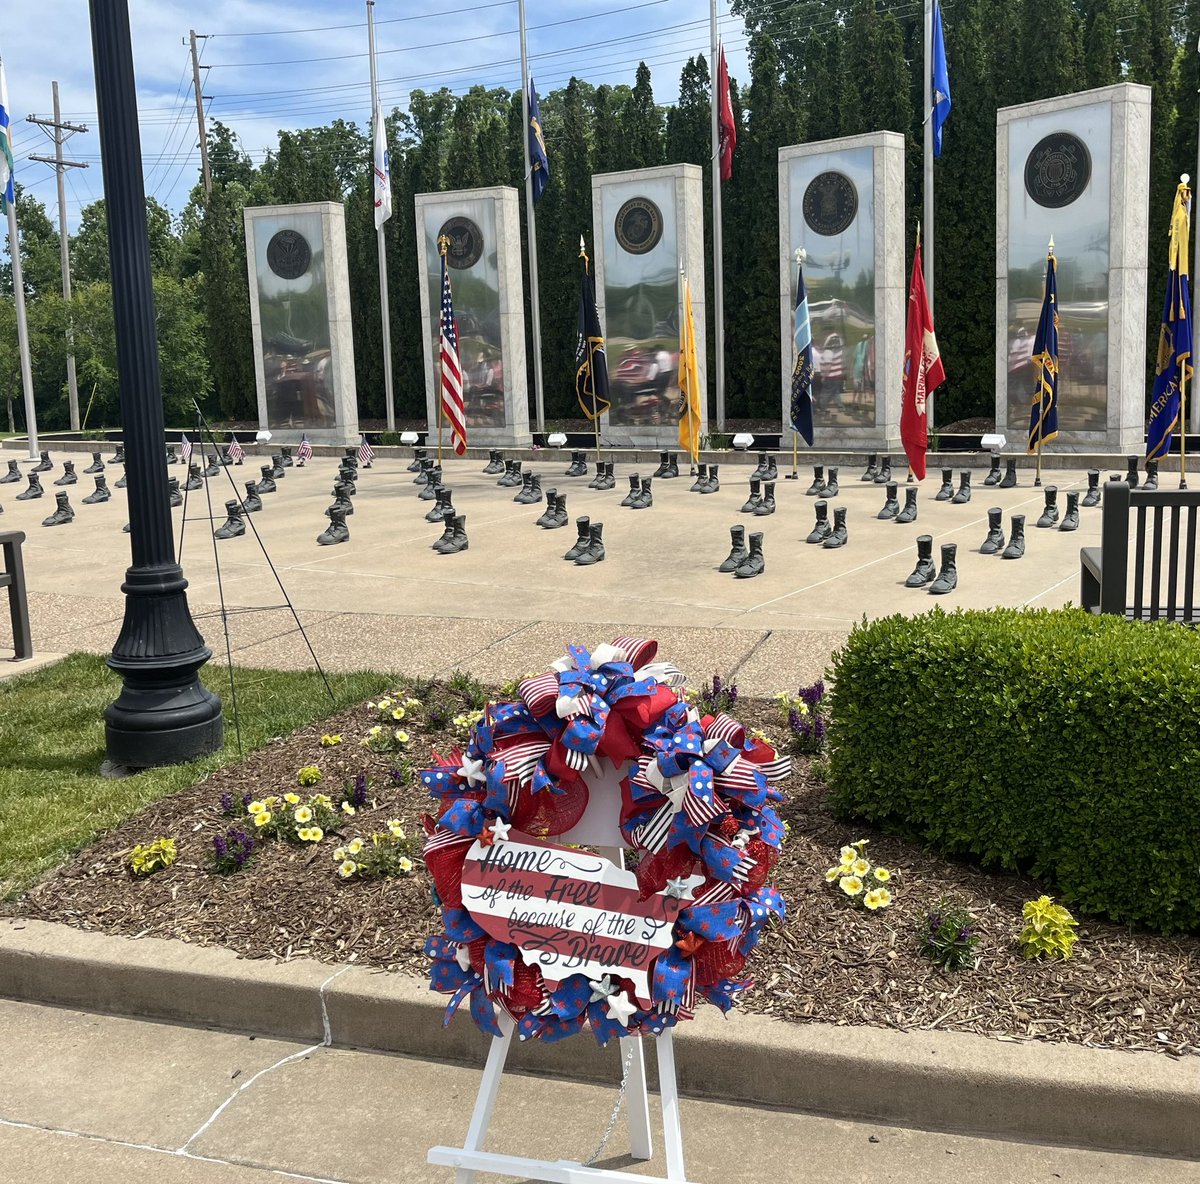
x=725, y=123
x=923, y=371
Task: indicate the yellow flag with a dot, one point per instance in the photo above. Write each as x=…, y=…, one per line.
x=689, y=380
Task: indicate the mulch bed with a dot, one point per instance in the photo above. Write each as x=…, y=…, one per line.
x=829, y=962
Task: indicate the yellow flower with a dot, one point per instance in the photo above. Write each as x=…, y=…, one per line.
x=384, y=704
x=882, y=874
x=832, y=874
x=262, y=818
x=315, y=834
x=323, y=800
x=396, y=829
x=871, y=900
x=302, y=834
x=860, y=867
x=292, y=799
x=255, y=808
x=398, y=714
x=376, y=730
x=354, y=846
x=330, y=741
x=270, y=803
x=861, y=842
x=884, y=897
x=850, y=885
x=348, y=868
x=401, y=736
x=849, y=855
x=302, y=814
x=347, y=808
x=412, y=704
x=404, y=864
x=339, y=854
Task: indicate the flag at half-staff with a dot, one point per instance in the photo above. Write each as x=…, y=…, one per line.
x=801, y=409
x=923, y=370
x=1043, y=419
x=1174, y=365
x=539, y=162
x=591, y=366
x=689, y=380
x=450, y=399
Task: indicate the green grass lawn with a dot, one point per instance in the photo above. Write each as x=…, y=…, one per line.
x=52, y=798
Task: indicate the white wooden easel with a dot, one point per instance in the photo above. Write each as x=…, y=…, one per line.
x=597, y=828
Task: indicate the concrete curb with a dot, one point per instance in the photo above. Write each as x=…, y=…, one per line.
x=1101, y=1099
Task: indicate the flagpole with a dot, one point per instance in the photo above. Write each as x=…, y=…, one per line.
x=539, y=397
x=718, y=249
x=591, y=367
x=14, y=250
x=927, y=91
x=385, y=312
x=1183, y=422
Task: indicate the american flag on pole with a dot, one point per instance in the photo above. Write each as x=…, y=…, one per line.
x=365, y=453
x=185, y=449
x=452, y=387
x=235, y=451
x=304, y=452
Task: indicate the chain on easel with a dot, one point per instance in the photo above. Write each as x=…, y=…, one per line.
x=612, y=1121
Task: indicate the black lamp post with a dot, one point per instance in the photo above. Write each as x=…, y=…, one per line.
x=163, y=714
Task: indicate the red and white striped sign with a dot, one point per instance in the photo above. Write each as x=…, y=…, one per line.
x=568, y=911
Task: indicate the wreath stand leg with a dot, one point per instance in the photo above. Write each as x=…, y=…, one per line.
x=472, y=1158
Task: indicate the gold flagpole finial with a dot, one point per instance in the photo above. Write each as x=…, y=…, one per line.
x=443, y=244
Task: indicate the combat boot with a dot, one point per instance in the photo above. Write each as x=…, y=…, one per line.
x=713, y=484
x=1050, y=513
x=818, y=481
x=583, y=526
x=1071, y=517
x=839, y=536
x=122, y=481
x=419, y=454
x=211, y=468
x=447, y=534
x=594, y=551
x=45, y=465
x=994, y=474
x=234, y=525
x=266, y=485
x=336, y=532
x=1131, y=475
x=548, y=513
x=964, y=489
x=174, y=493
x=609, y=480
x=251, y=503
x=119, y=455
x=672, y=466
x=559, y=517
x=772, y=473
x=97, y=465
x=429, y=489
x=1092, y=497
x=830, y=488
x=761, y=472
x=661, y=471
x=68, y=477
x=101, y=493
x=701, y=479
x=754, y=564
x=909, y=513
x=645, y=498
x=14, y=473
x=947, y=579
x=872, y=467
x=737, y=550
x=62, y=512
x=1151, y=481
x=891, y=507
x=458, y=537
x=924, y=572
x=767, y=506
x=635, y=487
x=1010, y=474
x=285, y=458
x=435, y=514
x=995, y=535
x=822, y=530
x=33, y=492
x=755, y=499
x=1016, y=542
x=946, y=492
x=885, y=471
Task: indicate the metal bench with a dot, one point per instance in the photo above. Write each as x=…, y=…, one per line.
x=1163, y=589
x=13, y=578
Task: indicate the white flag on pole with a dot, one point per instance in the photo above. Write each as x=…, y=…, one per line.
x=383, y=171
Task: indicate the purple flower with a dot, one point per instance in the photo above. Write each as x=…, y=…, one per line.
x=359, y=796
x=220, y=846
x=397, y=776
x=247, y=799
x=814, y=694
x=227, y=803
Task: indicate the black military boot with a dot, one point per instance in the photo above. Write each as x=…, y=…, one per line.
x=348, y=478
x=994, y=474
x=1071, y=517
x=447, y=534
x=713, y=484
x=266, y=485
x=560, y=517
x=583, y=526
x=755, y=498
x=1016, y=542
x=175, y=494
x=336, y=532
x=839, y=536
x=923, y=573
x=14, y=473
x=754, y=564
x=62, y=512
x=575, y=468
x=885, y=471
x=121, y=481
x=100, y=494
x=97, y=465
x=701, y=479
x=767, y=506
x=285, y=458
x=1151, y=481
x=645, y=496
x=772, y=473
x=610, y=479
x=1010, y=474
x=68, y=477
x=818, y=481
x=672, y=466
x=423, y=471
x=46, y=465
x=522, y=494
x=891, y=507
x=1050, y=513
x=1092, y=497
x=548, y=513
x=964, y=489
x=211, y=468
x=761, y=472
x=234, y=525
x=822, y=530
x=593, y=552
x=419, y=454
x=946, y=492
x=458, y=537
x=635, y=487
x=442, y=503
x=830, y=488
x=947, y=579
x=1131, y=476
x=909, y=513
x=251, y=503
x=872, y=467
x=737, y=550
x=504, y=477
x=119, y=455
x=661, y=471
x=534, y=495
x=172, y=459
x=513, y=477
x=995, y=535
x=429, y=489
x=494, y=465
x=341, y=501
x=34, y=491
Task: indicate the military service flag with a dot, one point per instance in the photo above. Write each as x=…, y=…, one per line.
x=1043, y=421
x=591, y=366
x=802, y=373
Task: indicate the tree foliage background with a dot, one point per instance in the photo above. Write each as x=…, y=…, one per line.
x=817, y=70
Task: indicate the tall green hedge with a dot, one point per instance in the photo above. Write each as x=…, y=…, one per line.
x=1052, y=742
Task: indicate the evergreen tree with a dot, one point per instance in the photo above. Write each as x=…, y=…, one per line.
x=1102, y=58
x=642, y=124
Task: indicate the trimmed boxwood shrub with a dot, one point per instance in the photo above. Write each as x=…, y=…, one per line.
x=1057, y=743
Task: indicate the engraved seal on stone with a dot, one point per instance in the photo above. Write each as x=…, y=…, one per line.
x=1058, y=170
x=288, y=254
x=830, y=203
x=466, y=242
x=639, y=226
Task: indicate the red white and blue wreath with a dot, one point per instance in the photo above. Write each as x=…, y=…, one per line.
x=558, y=937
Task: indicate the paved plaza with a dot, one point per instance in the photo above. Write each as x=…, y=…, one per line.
x=385, y=599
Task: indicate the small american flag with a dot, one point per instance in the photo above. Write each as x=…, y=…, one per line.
x=235, y=451
x=365, y=452
x=452, y=388
x=185, y=450
x=304, y=452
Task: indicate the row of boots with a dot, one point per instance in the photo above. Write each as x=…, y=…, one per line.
x=34, y=490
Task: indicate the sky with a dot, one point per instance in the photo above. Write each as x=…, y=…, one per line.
x=261, y=73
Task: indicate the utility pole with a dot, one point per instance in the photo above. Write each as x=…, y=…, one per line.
x=64, y=243
x=200, y=114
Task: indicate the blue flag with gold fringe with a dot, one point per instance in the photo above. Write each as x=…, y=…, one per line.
x=539, y=163
x=1174, y=365
x=1043, y=421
